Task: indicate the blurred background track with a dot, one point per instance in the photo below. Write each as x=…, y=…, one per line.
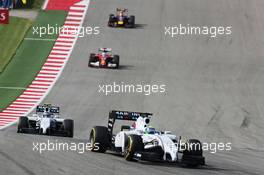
x=214, y=88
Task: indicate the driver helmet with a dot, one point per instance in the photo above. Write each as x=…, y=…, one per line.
x=47, y=115
x=121, y=13
x=150, y=130
x=133, y=126
x=104, y=54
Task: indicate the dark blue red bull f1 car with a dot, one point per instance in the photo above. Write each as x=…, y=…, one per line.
x=121, y=19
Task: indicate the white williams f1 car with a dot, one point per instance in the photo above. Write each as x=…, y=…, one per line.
x=46, y=121
x=142, y=142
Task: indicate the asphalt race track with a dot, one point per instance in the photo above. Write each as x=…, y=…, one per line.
x=214, y=88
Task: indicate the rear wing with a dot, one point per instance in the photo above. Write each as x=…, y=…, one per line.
x=124, y=115
x=48, y=108
x=121, y=9
x=105, y=49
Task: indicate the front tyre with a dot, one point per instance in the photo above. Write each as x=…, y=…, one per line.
x=92, y=59
x=193, y=155
x=194, y=148
x=22, y=124
x=116, y=61
x=134, y=144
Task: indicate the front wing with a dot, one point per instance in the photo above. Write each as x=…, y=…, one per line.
x=97, y=64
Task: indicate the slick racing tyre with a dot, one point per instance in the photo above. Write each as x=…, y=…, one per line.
x=68, y=127
x=116, y=61
x=40, y=131
x=193, y=154
x=111, y=20
x=22, y=124
x=49, y=132
x=134, y=144
x=92, y=59
x=125, y=127
x=131, y=22
x=194, y=148
x=99, y=139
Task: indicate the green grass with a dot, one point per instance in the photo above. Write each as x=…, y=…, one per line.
x=28, y=59
x=11, y=36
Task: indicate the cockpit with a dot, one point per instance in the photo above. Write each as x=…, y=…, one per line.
x=151, y=130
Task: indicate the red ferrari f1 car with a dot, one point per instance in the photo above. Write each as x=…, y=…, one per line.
x=104, y=59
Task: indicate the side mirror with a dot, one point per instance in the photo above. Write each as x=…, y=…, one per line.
x=147, y=120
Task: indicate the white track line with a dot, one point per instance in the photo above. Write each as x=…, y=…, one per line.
x=13, y=88
x=39, y=39
x=45, y=4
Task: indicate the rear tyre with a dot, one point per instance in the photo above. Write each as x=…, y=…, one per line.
x=68, y=127
x=125, y=127
x=40, y=131
x=99, y=139
x=134, y=144
x=111, y=20
x=22, y=124
x=116, y=61
x=131, y=21
x=49, y=131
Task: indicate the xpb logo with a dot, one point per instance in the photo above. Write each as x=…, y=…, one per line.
x=4, y=16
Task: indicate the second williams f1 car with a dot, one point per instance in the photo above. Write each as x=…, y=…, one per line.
x=46, y=121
